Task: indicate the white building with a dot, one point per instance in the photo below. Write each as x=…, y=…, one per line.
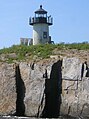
x=41, y=23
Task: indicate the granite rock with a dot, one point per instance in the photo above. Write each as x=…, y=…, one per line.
x=45, y=87
x=7, y=89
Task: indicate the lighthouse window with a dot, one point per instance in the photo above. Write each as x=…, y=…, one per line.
x=41, y=15
x=45, y=35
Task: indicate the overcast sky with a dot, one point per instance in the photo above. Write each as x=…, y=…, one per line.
x=70, y=20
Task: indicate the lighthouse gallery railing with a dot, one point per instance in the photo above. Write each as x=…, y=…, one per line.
x=35, y=20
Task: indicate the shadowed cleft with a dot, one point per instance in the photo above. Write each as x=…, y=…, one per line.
x=20, y=90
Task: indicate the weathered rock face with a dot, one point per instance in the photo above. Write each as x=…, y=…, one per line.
x=46, y=88
x=34, y=80
x=75, y=97
x=72, y=86
x=71, y=69
x=7, y=89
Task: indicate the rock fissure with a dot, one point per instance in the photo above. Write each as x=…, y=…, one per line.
x=53, y=90
x=40, y=89
x=20, y=90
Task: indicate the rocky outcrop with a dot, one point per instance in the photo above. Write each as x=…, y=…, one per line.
x=75, y=98
x=7, y=89
x=46, y=88
x=71, y=69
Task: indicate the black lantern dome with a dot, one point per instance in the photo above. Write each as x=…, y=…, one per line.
x=41, y=11
x=41, y=17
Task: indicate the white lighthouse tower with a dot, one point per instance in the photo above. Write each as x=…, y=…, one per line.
x=41, y=23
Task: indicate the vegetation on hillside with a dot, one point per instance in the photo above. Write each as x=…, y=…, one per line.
x=21, y=52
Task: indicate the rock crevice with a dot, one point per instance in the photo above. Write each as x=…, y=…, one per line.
x=20, y=90
x=47, y=88
x=53, y=90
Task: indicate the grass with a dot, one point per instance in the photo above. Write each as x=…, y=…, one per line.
x=43, y=51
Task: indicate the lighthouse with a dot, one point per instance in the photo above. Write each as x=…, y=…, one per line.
x=41, y=22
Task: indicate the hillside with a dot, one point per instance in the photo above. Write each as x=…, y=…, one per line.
x=37, y=52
